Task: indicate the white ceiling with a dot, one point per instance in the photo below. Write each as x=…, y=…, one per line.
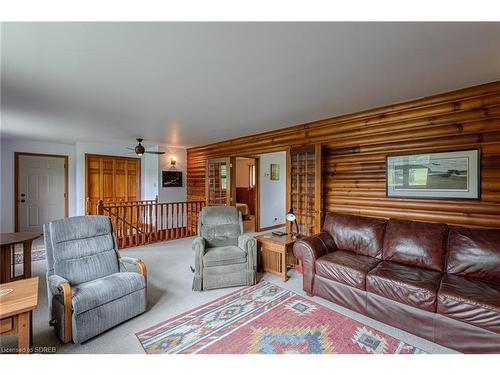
x=196, y=83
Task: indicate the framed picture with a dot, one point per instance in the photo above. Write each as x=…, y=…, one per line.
x=275, y=172
x=171, y=179
x=439, y=175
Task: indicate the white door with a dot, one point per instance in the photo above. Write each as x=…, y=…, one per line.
x=41, y=191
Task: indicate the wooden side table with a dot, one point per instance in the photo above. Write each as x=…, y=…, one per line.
x=276, y=254
x=18, y=299
x=7, y=242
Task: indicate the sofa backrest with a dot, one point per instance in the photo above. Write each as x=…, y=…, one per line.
x=82, y=248
x=416, y=243
x=474, y=252
x=359, y=234
x=220, y=225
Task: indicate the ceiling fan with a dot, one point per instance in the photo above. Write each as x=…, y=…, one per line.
x=140, y=150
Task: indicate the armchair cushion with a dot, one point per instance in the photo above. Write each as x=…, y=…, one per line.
x=92, y=294
x=220, y=226
x=222, y=256
x=83, y=248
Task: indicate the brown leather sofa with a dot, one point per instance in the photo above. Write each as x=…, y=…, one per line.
x=435, y=281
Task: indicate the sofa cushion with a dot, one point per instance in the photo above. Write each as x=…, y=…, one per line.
x=474, y=252
x=410, y=285
x=359, y=234
x=346, y=267
x=92, y=294
x=415, y=243
x=470, y=300
x=222, y=256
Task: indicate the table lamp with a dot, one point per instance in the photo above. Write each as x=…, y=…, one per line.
x=290, y=216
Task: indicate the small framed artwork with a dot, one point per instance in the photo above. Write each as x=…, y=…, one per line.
x=171, y=179
x=439, y=175
x=275, y=172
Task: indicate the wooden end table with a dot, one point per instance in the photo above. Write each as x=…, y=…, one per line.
x=276, y=254
x=18, y=299
x=7, y=242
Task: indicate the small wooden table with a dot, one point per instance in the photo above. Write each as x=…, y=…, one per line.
x=18, y=299
x=7, y=242
x=275, y=254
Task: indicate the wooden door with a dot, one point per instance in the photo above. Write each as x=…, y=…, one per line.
x=41, y=191
x=111, y=179
x=305, y=187
x=220, y=187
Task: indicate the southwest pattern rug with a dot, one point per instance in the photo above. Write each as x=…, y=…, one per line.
x=265, y=318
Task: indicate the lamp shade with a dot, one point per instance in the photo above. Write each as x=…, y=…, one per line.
x=290, y=216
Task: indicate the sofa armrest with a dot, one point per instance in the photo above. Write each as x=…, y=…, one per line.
x=308, y=250
x=60, y=286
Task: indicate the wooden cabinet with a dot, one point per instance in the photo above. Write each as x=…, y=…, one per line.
x=305, y=187
x=111, y=179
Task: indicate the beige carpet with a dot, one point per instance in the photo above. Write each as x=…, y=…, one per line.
x=169, y=294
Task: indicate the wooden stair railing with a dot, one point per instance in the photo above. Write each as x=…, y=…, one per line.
x=143, y=222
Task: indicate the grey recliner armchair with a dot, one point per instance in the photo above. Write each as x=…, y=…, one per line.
x=88, y=288
x=224, y=256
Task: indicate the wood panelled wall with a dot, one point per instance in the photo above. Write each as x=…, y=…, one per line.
x=355, y=147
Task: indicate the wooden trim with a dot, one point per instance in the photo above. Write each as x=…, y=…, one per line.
x=318, y=188
x=257, y=194
x=272, y=227
x=16, y=183
x=68, y=312
x=143, y=270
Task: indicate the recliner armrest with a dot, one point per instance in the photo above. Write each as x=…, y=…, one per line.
x=199, y=245
x=55, y=283
x=136, y=262
x=247, y=242
x=308, y=250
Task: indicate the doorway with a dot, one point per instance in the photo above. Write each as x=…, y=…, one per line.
x=41, y=190
x=246, y=189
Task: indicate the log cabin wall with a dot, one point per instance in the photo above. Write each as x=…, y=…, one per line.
x=355, y=146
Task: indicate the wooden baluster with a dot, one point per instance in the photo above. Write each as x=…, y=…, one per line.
x=150, y=222
x=136, y=225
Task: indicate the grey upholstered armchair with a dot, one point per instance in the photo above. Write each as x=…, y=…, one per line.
x=224, y=256
x=88, y=289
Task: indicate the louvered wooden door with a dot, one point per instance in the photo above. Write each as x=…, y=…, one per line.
x=305, y=187
x=111, y=179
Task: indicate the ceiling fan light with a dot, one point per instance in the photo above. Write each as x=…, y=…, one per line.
x=139, y=149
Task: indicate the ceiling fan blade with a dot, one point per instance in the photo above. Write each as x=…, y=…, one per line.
x=130, y=148
x=155, y=152
x=129, y=153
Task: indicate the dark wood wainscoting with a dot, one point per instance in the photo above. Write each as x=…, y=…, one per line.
x=354, y=148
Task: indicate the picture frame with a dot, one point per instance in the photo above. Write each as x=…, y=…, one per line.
x=434, y=175
x=275, y=172
x=171, y=179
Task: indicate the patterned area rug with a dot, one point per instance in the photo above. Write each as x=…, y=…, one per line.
x=266, y=319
